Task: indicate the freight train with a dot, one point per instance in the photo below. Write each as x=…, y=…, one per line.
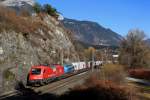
x=44, y=74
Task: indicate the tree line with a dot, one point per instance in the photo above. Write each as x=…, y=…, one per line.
x=134, y=52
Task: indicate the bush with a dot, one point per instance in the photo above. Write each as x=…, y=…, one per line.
x=47, y=8
x=37, y=7
x=140, y=73
x=100, y=90
x=8, y=75
x=9, y=20
x=24, y=13
x=50, y=10
x=114, y=72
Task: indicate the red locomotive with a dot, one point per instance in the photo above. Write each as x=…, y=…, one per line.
x=43, y=74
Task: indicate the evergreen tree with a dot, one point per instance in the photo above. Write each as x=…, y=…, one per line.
x=50, y=10
x=37, y=8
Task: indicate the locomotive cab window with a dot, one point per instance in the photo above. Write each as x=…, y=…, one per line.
x=36, y=71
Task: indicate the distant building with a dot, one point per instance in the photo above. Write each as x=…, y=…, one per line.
x=115, y=58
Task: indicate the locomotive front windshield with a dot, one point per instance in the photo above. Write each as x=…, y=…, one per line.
x=36, y=71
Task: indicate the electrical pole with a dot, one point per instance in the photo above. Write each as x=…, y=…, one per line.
x=92, y=60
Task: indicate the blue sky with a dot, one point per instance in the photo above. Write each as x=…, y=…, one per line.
x=118, y=15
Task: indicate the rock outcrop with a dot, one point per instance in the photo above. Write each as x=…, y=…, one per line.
x=21, y=47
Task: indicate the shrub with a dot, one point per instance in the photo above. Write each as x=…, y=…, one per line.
x=9, y=20
x=100, y=90
x=46, y=8
x=50, y=10
x=37, y=7
x=24, y=13
x=8, y=75
x=114, y=72
x=140, y=73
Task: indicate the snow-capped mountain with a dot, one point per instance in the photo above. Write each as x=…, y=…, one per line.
x=19, y=5
x=16, y=2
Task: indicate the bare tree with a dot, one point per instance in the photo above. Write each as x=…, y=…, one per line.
x=133, y=50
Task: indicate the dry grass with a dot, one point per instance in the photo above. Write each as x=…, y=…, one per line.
x=23, y=23
x=92, y=89
x=114, y=72
x=102, y=90
x=140, y=73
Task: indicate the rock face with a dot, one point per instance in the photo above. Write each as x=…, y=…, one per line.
x=92, y=33
x=19, y=51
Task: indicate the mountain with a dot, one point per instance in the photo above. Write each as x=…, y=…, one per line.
x=16, y=2
x=92, y=33
x=147, y=42
x=19, y=5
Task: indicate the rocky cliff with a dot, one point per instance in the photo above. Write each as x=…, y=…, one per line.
x=27, y=41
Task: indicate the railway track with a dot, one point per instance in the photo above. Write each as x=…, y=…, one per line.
x=57, y=80
x=54, y=86
x=64, y=84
